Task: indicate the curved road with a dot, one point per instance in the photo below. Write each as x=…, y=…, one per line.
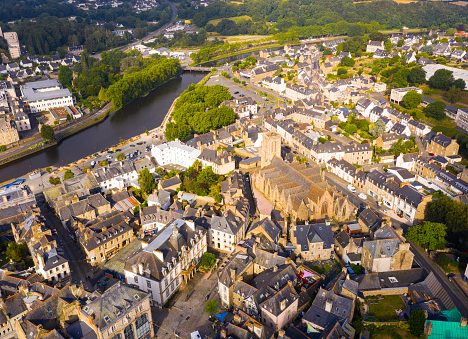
x=149, y=35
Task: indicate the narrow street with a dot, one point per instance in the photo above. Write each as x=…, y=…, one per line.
x=80, y=269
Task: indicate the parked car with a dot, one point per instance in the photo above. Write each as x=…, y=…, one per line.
x=352, y=188
x=362, y=196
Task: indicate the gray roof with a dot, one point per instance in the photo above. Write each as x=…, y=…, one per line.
x=341, y=307
x=313, y=233
x=42, y=90
x=113, y=304
x=227, y=223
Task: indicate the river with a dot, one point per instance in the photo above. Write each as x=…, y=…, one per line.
x=141, y=115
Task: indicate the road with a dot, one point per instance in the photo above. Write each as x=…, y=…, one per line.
x=149, y=35
x=452, y=289
x=79, y=268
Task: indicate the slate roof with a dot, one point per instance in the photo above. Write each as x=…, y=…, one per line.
x=313, y=233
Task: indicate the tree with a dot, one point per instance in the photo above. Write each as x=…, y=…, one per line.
x=412, y=99
x=54, y=180
x=17, y=253
x=442, y=79
x=211, y=306
x=146, y=181
x=120, y=157
x=416, y=322
x=417, y=76
x=429, y=235
x=47, y=133
x=68, y=175
x=454, y=94
x=459, y=83
x=207, y=260
x=347, y=62
x=378, y=129
x=435, y=110
x=65, y=76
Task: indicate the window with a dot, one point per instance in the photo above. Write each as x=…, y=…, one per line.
x=142, y=326
x=136, y=279
x=128, y=332
x=117, y=336
x=148, y=283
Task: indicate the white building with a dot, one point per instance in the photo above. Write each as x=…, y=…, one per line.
x=397, y=94
x=175, y=153
x=171, y=258
x=117, y=176
x=462, y=118
x=44, y=94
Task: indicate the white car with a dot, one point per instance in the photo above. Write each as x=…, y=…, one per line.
x=362, y=196
x=352, y=188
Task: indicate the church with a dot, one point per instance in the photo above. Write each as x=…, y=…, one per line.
x=299, y=190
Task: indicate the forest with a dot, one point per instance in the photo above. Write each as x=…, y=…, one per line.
x=198, y=110
x=53, y=28
x=272, y=16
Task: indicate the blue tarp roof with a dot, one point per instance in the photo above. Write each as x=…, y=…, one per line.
x=221, y=316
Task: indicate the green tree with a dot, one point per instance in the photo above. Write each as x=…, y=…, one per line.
x=435, y=110
x=459, y=83
x=207, y=260
x=68, y=175
x=65, y=76
x=416, y=322
x=211, y=306
x=146, y=181
x=17, y=253
x=120, y=157
x=417, y=76
x=347, y=62
x=453, y=94
x=453, y=214
x=429, y=235
x=54, y=180
x=377, y=129
x=412, y=99
x=47, y=133
x=442, y=79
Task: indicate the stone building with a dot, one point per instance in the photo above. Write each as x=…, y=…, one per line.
x=8, y=132
x=271, y=147
x=300, y=191
x=383, y=255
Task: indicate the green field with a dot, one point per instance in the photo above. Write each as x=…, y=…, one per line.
x=382, y=308
x=236, y=19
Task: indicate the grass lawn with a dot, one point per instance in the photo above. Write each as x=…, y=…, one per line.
x=447, y=263
x=389, y=332
x=236, y=19
x=382, y=308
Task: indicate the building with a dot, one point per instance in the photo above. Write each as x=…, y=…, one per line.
x=8, y=132
x=373, y=46
x=87, y=208
x=462, y=118
x=313, y=241
x=167, y=261
x=41, y=95
x=227, y=230
x=220, y=162
x=104, y=236
x=271, y=148
x=119, y=176
x=300, y=191
x=442, y=145
x=43, y=247
x=383, y=255
x=175, y=153
x=397, y=94
x=120, y=312
x=13, y=43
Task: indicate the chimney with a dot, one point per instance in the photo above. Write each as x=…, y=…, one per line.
x=463, y=322
x=282, y=304
x=232, y=272
x=328, y=305
x=140, y=269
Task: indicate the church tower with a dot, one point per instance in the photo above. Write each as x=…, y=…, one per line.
x=271, y=147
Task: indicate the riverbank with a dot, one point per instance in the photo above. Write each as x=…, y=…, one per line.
x=36, y=144
x=143, y=115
